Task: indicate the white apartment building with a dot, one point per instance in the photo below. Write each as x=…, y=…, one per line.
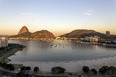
x=3, y=42
x=92, y=39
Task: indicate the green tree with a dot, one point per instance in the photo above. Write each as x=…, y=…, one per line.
x=85, y=69
x=36, y=69
x=26, y=75
x=94, y=71
x=20, y=74
x=10, y=67
x=22, y=69
x=58, y=70
x=104, y=69
x=28, y=68
x=112, y=69
x=3, y=65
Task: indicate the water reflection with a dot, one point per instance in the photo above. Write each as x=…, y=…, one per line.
x=59, y=51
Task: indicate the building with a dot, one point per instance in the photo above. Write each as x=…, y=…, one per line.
x=91, y=38
x=107, y=33
x=3, y=42
x=61, y=38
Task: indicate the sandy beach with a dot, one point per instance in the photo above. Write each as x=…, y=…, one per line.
x=72, y=66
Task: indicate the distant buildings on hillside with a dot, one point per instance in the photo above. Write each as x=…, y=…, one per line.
x=35, y=39
x=107, y=33
x=65, y=38
x=3, y=42
x=61, y=38
x=91, y=38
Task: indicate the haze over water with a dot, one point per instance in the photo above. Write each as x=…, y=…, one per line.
x=39, y=51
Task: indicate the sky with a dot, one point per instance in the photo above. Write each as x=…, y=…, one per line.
x=57, y=16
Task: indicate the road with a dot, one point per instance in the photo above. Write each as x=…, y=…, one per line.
x=2, y=55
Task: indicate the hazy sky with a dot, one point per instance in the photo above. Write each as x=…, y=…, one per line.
x=57, y=16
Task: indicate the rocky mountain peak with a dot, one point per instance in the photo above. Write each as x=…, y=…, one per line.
x=24, y=29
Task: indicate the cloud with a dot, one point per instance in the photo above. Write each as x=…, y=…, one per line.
x=28, y=17
x=31, y=18
x=26, y=13
x=89, y=13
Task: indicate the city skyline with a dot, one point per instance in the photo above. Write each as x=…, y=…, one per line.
x=57, y=16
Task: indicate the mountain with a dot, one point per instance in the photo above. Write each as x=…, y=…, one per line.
x=79, y=33
x=42, y=34
x=24, y=29
x=24, y=32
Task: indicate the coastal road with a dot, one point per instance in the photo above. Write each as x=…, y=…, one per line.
x=13, y=50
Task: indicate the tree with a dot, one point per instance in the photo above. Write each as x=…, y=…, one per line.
x=26, y=75
x=85, y=69
x=22, y=69
x=11, y=67
x=103, y=69
x=58, y=70
x=36, y=69
x=112, y=69
x=94, y=71
x=27, y=68
x=20, y=74
x=3, y=65
x=8, y=66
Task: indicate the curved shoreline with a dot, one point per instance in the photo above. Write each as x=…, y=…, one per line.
x=72, y=66
x=13, y=50
x=89, y=59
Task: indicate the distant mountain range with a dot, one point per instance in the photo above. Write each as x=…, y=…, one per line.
x=24, y=32
x=80, y=33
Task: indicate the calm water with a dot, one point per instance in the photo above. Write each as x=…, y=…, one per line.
x=59, y=51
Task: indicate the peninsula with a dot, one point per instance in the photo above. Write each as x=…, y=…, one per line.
x=24, y=34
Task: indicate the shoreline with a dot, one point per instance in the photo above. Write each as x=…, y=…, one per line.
x=79, y=42
x=12, y=51
x=110, y=56
x=72, y=66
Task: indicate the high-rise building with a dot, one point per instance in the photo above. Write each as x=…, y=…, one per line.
x=107, y=33
x=3, y=42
